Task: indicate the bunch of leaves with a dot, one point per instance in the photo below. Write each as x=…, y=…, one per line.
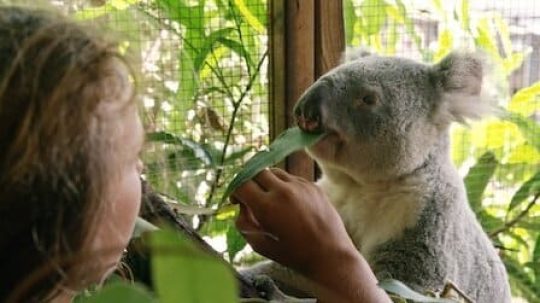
x=181, y=272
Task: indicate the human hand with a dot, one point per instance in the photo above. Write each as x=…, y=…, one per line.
x=290, y=220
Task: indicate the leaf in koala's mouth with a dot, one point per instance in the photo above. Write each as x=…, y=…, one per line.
x=293, y=139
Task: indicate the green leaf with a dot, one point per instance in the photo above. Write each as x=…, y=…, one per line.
x=529, y=128
x=291, y=140
x=536, y=261
x=438, y=6
x=184, y=273
x=485, y=38
x=199, y=151
x=350, y=20
x=398, y=288
x=191, y=16
x=524, y=153
x=231, y=158
x=526, y=189
x=110, y=7
x=520, y=281
x=526, y=101
x=119, y=292
x=209, y=43
x=373, y=16
x=238, y=48
x=464, y=15
x=188, y=70
x=445, y=45
x=249, y=17
x=489, y=222
x=235, y=242
x=478, y=178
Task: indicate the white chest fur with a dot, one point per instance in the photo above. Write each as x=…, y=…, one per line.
x=375, y=213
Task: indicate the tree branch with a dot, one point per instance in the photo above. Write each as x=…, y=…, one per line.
x=516, y=219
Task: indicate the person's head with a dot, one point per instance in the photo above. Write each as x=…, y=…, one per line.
x=69, y=143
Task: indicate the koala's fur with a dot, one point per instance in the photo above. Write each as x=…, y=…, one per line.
x=386, y=167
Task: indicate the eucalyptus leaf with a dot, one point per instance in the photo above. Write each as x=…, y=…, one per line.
x=536, y=260
x=528, y=127
x=199, y=151
x=235, y=242
x=373, y=16
x=119, y=292
x=252, y=19
x=478, y=178
x=184, y=273
x=398, y=288
x=291, y=140
x=521, y=280
x=525, y=191
x=232, y=157
x=349, y=19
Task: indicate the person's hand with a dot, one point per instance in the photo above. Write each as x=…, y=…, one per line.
x=291, y=221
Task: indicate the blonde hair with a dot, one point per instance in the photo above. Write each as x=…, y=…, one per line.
x=55, y=158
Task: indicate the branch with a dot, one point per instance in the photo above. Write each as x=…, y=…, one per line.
x=518, y=218
x=236, y=108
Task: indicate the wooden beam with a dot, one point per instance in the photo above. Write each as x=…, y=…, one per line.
x=277, y=74
x=300, y=57
x=307, y=39
x=329, y=35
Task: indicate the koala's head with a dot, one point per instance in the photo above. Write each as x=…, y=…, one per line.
x=384, y=116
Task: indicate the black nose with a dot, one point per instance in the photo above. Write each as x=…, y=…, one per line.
x=308, y=111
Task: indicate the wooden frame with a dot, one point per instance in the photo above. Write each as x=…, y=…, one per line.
x=306, y=40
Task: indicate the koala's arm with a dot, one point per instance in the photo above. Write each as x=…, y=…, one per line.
x=290, y=220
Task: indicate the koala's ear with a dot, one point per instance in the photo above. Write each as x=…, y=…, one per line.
x=458, y=78
x=352, y=54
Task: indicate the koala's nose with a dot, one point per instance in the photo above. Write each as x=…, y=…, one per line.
x=308, y=112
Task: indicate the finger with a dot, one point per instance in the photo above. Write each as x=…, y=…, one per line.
x=282, y=175
x=246, y=220
x=268, y=180
x=263, y=243
x=247, y=192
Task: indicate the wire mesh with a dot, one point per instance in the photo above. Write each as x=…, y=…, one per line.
x=202, y=85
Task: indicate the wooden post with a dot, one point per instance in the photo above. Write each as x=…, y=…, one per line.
x=329, y=35
x=307, y=39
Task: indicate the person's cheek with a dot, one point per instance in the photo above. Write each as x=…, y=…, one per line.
x=129, y=204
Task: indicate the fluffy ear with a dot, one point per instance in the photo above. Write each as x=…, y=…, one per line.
x=458, y=77
x=352, y=54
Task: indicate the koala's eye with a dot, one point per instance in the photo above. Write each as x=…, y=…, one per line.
x=369, y=99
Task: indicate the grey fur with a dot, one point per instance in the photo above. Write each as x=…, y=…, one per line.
x=388, y=172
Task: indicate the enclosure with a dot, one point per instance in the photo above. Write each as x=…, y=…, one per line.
x=218, y=80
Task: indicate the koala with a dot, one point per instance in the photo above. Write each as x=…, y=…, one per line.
x=387, y=170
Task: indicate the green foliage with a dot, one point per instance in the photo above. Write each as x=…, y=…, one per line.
x=182, y=273
x=478, y=179
x=119, y=292
x=235, y=242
